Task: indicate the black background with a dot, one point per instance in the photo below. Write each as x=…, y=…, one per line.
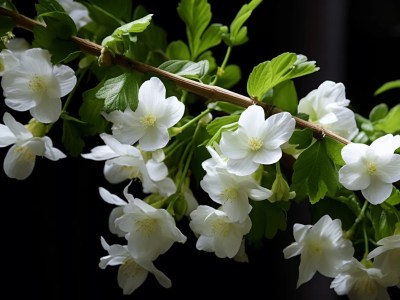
x=52, y=221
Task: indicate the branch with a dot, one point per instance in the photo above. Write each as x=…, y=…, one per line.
x=213, y=93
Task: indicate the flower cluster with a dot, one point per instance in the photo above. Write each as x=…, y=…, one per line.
x=230, y=171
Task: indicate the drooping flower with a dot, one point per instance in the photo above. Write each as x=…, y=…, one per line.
x=321, y=247
x=36, y=85
x=256, y=141
x=233, y=192
x=387, y=257
x=360, y=283
x=149, y=231
x=77, y=11
x=327, y=106
x=20, y=158
x=217, y=232
x=131, y=272
x=149, y=123
x=371, y=168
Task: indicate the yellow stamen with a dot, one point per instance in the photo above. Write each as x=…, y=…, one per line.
x=255, y=143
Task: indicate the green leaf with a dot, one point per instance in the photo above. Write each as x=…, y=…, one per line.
x=226, y=107
x=71, y=138
x=212, y=37
x=90, y=111
x=378, y=112
x=215, y=125
x=394, y=198
x=284, y=96
x=302, y=138
x=119, y=9
x=56, y=36
x=45, y=6
x=8, y=4
x=238, y=33
x=387, y=86
x=268, y=74
x=231, y=76
x=197, y=15
x=133, y=27
x=314, y=173
x=267, y=218
x=120, y=91
x=178, y=50
x=186, y=68
x=104, y=22
x=383, y=220
x=6, y=25
x=334, y=150
x=390, y=123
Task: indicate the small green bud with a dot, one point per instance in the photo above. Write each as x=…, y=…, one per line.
x=36, y=128
x=281, y=190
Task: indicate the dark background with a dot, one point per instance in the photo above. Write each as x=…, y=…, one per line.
x=52, y=221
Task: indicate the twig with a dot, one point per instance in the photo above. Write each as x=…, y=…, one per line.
x=214, y=93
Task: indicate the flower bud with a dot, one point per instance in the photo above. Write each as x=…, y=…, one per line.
x=281, y=190
x=36, y=128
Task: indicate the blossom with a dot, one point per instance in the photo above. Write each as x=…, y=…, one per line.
x=233, y=192
x=218, y=233
x=77, y=11
x=20, y=158
x=122, y=161
x=360, y=283
x=132, y=272
x=321, y=247
x=327, y=106
x=7, y=61
x=149, y=231
x=36, y=85
x=387, y=257
x=371, y=168
x=256, y=141
x=149, y=123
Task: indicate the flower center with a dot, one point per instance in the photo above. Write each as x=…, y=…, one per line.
x=24, y=154
x=315, y=247
x=365, y=285
x=38, y=84
x=148, y=120
x=255, y=143
x=371, y=167
x=133, y=171
x=230, y=194
x=129, y=268
x=146, y=226
x=220, y=227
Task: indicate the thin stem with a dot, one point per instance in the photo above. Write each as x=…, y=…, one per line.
x=195, y=119
x=360, y=217
x=214, y=93
x=221, y=69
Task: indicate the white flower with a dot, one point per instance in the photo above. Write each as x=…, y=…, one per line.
x=77, y=11
x=149, y=123
x=256, y=141
x=8, y=60
x=149, y=231
x=387, y=257
x=371, y=169
x=327, y=106
x=122, y=161
x=218, y=233
x=36, y=85
x=321, y=248
x=360, y=283
x=131, y=273
x=233, y=192
x=116, y=212
x=20, y=158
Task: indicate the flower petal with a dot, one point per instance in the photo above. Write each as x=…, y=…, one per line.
x=353, y=177
x=19, y=162
x=351, y=153
x=234, y=144
x=66, y=78
x=154, y=138
x=252, y=117
x=151, y=91
x=47, y=111
x=377, y=192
